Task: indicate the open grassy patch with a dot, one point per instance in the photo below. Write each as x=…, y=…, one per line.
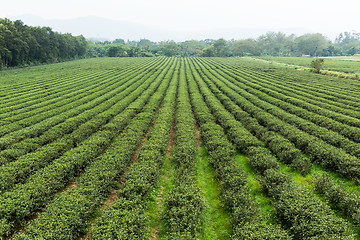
x=264, y=202
x=155, y=206
x=217, y=221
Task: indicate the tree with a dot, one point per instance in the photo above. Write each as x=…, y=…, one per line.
x=21, y=44
x=192, y=47
x=245, y=47
x=317, y=65
x=332, y=50
x=5, y=34
x=208, y=41
x=312, y=44
x=146, y=44
x=81, y=46
x=119, y=41
x=115, y=51
x=134, y=52
x=347, y=37
x=169, y=48
x=353, y=50
x=208, y=52
x=221, y=48
x=273, y=43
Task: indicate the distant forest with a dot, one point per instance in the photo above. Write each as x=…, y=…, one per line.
x=269, y=44
x=25, y=45
x=22, y=45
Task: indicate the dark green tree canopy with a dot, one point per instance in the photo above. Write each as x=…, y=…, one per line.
x=21, y=44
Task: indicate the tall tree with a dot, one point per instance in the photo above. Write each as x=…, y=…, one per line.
x=146, y=44
x=116, y=51
x=208, y=51
x=312, y=44
x=119, y=41
x=221, y=48
x=349, y=42
x=245, y=47
x=273, y=43
x=192, y=47
x=169, y=48
x=21, y=44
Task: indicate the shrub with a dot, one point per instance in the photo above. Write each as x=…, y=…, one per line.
x=261, y=159
x=305, y=215
x=317, y=65
x=260, y=230
x=183, y=210
x=339, y=197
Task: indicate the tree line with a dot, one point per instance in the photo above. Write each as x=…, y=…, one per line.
x=23, y=45
x=269, y=44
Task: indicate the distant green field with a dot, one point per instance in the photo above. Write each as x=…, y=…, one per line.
x=178, y=148
x=339, y=64
x=355, y=58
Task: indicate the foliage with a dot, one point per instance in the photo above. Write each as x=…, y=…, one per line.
x=280, y=113
x=307, y=216
x=143, y=174
x=339, y=197
x=311, y=44
x=349, y=42
x=168, y=48
x=21, y=45
x=116, y=49
x=235, y=192
x=247, y=47
x=183, y=210
x=45, y=183
x=82, y=122
x=208, y=52
x=317, y=64
x=260, y=230
x=269, y=44
x=184, y=206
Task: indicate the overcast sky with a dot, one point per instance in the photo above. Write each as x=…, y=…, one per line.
x=194, y=16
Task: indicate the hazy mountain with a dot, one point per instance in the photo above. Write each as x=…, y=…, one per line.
x=99, y=28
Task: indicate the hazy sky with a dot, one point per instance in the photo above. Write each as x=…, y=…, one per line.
x=325, y=16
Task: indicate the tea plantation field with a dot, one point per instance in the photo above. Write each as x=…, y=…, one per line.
x=178, y=148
